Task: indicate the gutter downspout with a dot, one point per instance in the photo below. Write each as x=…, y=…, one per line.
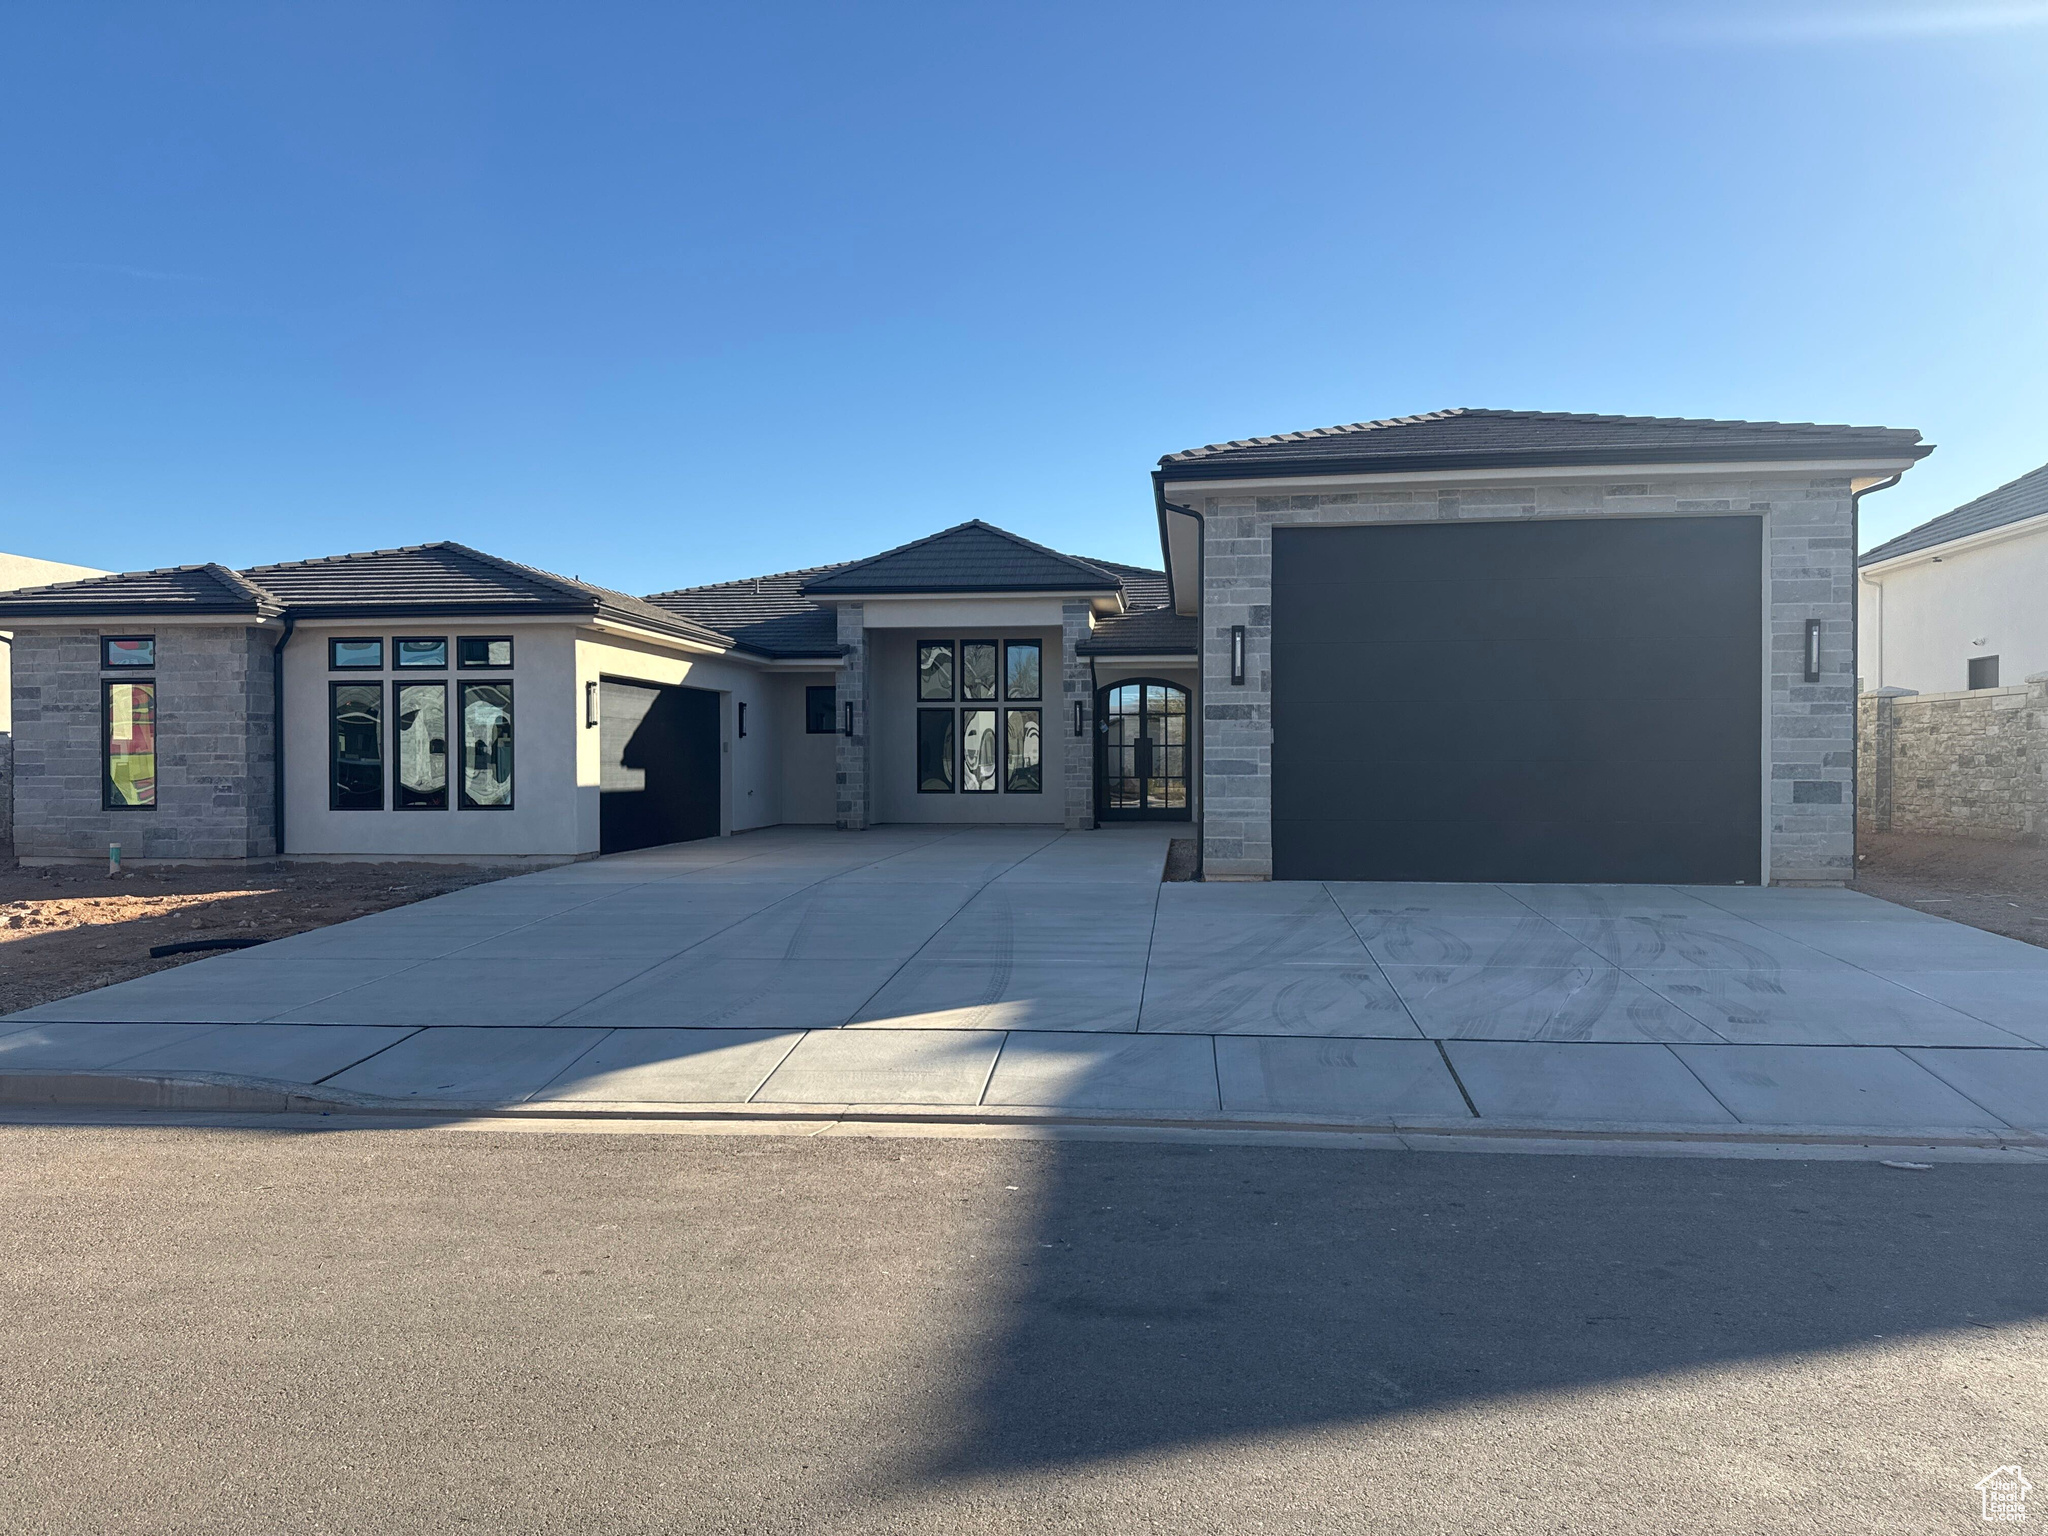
x=1163, y=507
x=1856, y=656
x=277, y=737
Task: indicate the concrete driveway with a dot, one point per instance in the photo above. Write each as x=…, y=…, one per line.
x=1021, y=968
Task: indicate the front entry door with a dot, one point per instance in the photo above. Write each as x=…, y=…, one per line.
x=1141, y=769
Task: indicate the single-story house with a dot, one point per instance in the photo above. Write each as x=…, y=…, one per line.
x=1467, y=645
x=1956, y=603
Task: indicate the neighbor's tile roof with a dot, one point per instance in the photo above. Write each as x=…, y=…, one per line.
x=768, y=614
x=1475, y=439
x=425, y=579
x=2012, y=503
x=969, y=557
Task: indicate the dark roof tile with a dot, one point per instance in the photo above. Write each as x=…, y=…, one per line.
x=969, y=557
x=767, y=614
x=2014, y=502
x=173, y=590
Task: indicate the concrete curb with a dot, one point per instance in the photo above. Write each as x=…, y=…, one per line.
x=221, y=1093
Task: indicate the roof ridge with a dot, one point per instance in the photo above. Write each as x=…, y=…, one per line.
x=748, y=581
x=233, y=578
x=976, y=522
x=1343, y=430
x=88, y=581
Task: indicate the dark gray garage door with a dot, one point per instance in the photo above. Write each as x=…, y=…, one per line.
x=658, y=778
x=1539, y=701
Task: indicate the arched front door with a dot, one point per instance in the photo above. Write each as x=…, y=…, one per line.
x=1141, y=751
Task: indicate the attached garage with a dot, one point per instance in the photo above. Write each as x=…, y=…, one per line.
x=1572, y=699
x=659, y=777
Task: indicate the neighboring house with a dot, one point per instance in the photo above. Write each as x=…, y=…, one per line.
x=1957, y=603
x=1471, y=645
x=21, y=571
x=1953, y=664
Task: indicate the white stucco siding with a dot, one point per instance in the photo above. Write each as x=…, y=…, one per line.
x=809, y=762
x=1920, y=619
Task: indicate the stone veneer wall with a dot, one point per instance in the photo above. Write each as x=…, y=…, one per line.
x=850, y=791
x=1809, y=545
x=1079, y=756
x=1956, y=764
x=215, y=742
x=6, y=794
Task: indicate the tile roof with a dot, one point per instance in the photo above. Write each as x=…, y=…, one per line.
x=1155, y=631
x=444, y=578
x=2014, y=502
x=766, y=614
x=970, y=557
x=1473, y=438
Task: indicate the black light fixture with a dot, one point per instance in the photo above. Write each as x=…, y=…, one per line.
x=1813, y=650
x=849, y=719
x=589, y=705
x=1237, y=653
x=1080, y=725
x=742, y=711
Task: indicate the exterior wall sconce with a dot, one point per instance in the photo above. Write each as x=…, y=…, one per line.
x=741, y=711
x=1237, y=653
x=848, y=731
x=1080, y=724
x=589, y=705
x=1813, y=650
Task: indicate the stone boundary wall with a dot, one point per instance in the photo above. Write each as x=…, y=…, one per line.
x=1969, y=764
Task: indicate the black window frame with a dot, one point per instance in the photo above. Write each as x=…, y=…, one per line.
x=334, y=746
x=483, y=666
x=1037, y=697
x=952, y=672
x=980, y=707
x=107, y=662
x=995, y=679
x=108, y=800
x=1009, y=787
x=400, y=664
x=398, y=687
x=336, y=664
x=952, y=719
x=462, y=800
x=830, y=716
x=1978, y=668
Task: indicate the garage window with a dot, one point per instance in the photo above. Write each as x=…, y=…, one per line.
x=487, y=746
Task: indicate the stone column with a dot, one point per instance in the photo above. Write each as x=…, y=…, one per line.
x=1078, y=760
x=850, y=794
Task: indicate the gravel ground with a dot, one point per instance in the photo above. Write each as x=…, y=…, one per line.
x=67, y=929
x=2002, y=887
x=334, y=1330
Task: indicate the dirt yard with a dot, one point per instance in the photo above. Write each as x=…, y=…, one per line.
x=2001, y=887
x=70, y=929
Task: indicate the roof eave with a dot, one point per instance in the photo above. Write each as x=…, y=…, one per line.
x=1256, y=467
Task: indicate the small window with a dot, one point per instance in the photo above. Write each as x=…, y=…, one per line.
x=977, y=669
x=1983, y=672
x=484, y=651
x=128, y=650
x=935, y=754
x=355, y=655
x=934, y=670
x=419, y=742
x=487, y=745
x=980, y=755
x=820, y=705
x=356, y=746
x=129, y=716
x=1021, y=669
x=412, y=651
x=1021, y=774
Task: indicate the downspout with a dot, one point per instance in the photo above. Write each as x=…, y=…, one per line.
x=1163, y=506
x=277, y=737
x=1856, y=657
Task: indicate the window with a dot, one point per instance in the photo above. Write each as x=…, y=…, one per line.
x=1020, y=767
x=355, y=716
x=487, y=745
x=934, y=669
x=977, y=669
x=978, y=754
x=416, y=652
x=820, y=704
x=420, y=743
x=1983, y=672
x=128, y=650
x=483, y=651
x=1020, y=669
x=935, y=747
x=355, y=655
x=129, y=713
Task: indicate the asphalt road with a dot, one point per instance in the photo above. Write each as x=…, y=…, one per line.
x=437, y=1329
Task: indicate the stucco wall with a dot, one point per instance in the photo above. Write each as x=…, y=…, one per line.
x=1810, y=728
x=808, y=762
x=1921, y=620
x=1958, y=764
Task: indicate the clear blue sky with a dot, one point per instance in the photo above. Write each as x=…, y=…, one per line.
x=662, y=294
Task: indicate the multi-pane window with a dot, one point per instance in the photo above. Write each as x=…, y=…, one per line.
x=483, y=651
x=979, y=748
x=487, y=746
x=352, y=654
x=420, y=745
x=820, y=704
x=129, y=715
x=355, y=746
